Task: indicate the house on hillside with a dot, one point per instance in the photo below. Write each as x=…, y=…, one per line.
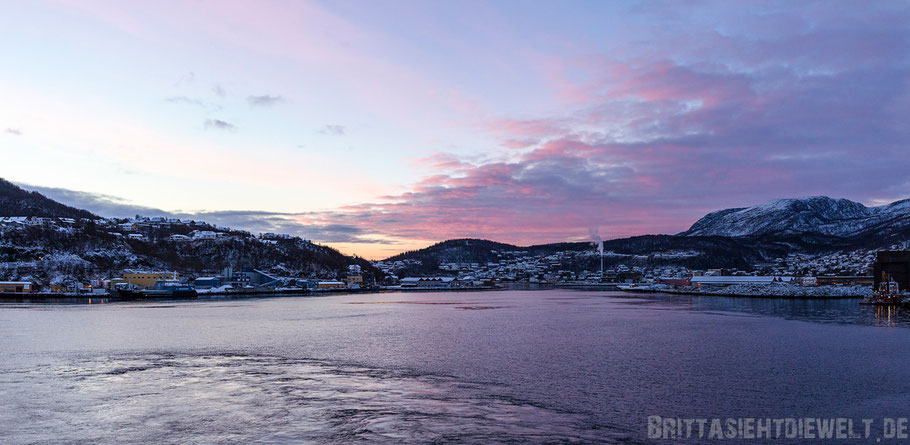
x=203, y=234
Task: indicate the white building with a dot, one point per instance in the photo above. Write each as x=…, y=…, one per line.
x=203, y=234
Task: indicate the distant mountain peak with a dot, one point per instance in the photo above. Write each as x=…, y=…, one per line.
x=813, y=214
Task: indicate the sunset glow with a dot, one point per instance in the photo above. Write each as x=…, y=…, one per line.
x=523, y=122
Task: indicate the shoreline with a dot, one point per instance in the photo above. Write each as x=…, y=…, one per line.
x=787, y=294
x=747, y=295
x=63, y=298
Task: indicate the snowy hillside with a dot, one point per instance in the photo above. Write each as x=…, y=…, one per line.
x=49, y=243
x=14, y=201
x=817, y=214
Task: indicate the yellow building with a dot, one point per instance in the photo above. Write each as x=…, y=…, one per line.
x=355, y=279
x=330, y=285
x=15, y=286
x=148, y=279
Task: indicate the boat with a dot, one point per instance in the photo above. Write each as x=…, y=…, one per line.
x=637, y=287
x=598, y=285
x=887, y=294
x=163, y=290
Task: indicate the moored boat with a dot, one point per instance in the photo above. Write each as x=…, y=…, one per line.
x=163, y=290
x=887, y=294
x=637, y=287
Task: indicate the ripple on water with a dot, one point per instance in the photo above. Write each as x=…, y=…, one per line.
x=242, y=398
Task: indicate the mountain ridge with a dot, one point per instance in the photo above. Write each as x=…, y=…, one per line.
x=815, y=214
x=15, y=201
x=743, y=237
x=61, y=243
x=737, y=237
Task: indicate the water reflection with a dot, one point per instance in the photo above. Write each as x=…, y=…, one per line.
x=835, y=310
x=886, y=316
x=166, y=398
x=488, y=367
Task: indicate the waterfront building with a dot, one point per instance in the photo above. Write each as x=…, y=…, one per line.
x=306, y=283
x=894, y=265
x=354, y=281
x=674, y=281
x=15, y=286
x=148, y=279
x=206, y=282
x=248, y=276
x=718, y=280
x=427, y=282
x=845, y=280
x=330, y=285
x=258, y=278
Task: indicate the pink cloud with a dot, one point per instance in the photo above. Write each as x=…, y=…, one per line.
x=704, y=111
x=680, y=138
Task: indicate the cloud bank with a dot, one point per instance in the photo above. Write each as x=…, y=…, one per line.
x=253, y=221
x=799, y=99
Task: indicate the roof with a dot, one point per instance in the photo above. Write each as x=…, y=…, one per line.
x=15, y=282
x=417, y=279
x=737, y=279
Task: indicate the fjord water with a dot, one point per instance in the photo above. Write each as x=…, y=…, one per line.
x=482, y=367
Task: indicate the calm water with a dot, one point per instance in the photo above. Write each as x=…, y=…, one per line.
x=485, y=367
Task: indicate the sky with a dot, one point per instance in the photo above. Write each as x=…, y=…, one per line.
x=383, y=126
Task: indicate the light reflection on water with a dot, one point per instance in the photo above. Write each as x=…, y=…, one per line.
x=240, y=398
x=835, y=310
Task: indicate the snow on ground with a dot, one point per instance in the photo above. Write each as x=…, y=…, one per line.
x=790, y=290
x=214, y=290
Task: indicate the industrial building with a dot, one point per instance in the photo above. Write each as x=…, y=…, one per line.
x=206, y=282
x=148, y=279
x=333, y=284
x=894, y=265
x=427, y=282
x=248, y=277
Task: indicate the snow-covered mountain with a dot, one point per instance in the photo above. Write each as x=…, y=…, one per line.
x=67, y=243
x=816, y=214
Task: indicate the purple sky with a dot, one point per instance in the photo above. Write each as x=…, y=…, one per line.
x=386, y=125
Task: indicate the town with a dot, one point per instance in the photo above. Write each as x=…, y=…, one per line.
x=44, y=270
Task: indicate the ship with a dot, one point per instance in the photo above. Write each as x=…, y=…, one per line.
x=163, y=290
x=640, y=287
x=887, y=294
